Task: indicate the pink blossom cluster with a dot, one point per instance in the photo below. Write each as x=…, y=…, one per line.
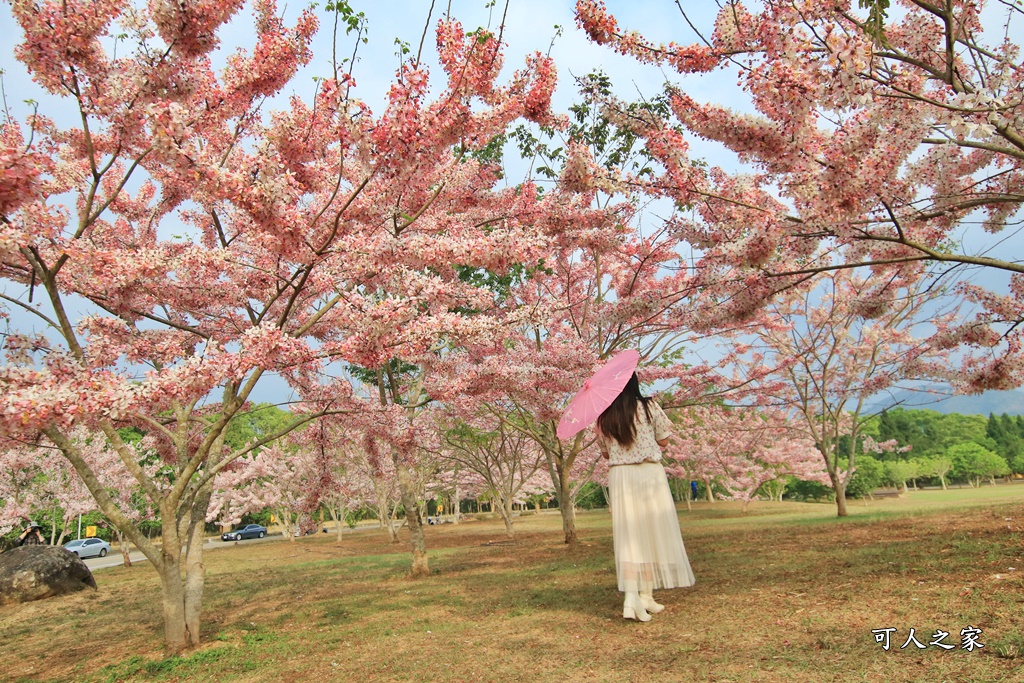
x=862, y=150
x=593, y=17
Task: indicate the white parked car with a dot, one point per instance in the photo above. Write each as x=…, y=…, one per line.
x=88, y=547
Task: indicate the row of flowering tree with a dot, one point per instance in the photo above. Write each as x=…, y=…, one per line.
x=845, y=343
x=476, y=457
x=179, y=244
x=745, y=451
x=33, y=481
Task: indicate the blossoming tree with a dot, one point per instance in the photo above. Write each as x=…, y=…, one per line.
x=508, y=462
x=203, y=244
x=846, y=342
x=32, y=480
x=619, y=283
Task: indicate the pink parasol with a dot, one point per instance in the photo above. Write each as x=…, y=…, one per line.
x=598, y=393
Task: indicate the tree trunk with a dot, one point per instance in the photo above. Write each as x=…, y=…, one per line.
x=195, y=570
x=417, y=541
x=565, y=505
x=838, y=486
x=286, y=523
x=386, y=518
x=943, y=480
x=337, y=515
x=63, y=532
x=176, y=635
x=840, y=490
x=125, y=545
x=195, y=582
x=173, y=593
x=559, y=466
x=707, y=488
x=506, y=515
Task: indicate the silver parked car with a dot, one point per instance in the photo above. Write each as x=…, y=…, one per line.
x=88, y=547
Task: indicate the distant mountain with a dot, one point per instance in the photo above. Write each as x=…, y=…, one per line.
x=998, y=402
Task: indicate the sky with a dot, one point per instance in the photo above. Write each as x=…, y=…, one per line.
x=530, y=25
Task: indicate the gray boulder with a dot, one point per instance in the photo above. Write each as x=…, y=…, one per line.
x=35, y=572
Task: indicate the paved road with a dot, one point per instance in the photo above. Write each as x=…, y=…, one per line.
x=114, y=559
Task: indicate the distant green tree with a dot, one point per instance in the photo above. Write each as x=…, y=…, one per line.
x=973, y=462
x=928, y=432
x=899, y=472
x=809, y=490
x=905, y=427
x=591, y=496
x=1007, y=436
x=261, y=420
x=994, y=428
x=936, y=466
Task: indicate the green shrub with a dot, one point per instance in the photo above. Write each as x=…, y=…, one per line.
x=591, y=496
x=809, y=490
x=867, y=476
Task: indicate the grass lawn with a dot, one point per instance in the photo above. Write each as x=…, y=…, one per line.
x=786, y=592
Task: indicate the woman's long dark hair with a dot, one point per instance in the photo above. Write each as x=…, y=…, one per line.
x=619, y=419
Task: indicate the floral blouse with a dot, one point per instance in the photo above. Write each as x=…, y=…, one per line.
x=645, y=446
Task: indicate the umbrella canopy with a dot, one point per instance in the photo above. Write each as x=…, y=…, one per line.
x=598, y=393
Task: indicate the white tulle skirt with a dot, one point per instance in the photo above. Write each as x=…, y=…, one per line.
x=649, y=551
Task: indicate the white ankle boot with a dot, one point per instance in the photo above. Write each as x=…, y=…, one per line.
x=648, y=603
x=633, y=608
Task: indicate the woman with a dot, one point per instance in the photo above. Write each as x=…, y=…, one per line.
x=649, y=552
